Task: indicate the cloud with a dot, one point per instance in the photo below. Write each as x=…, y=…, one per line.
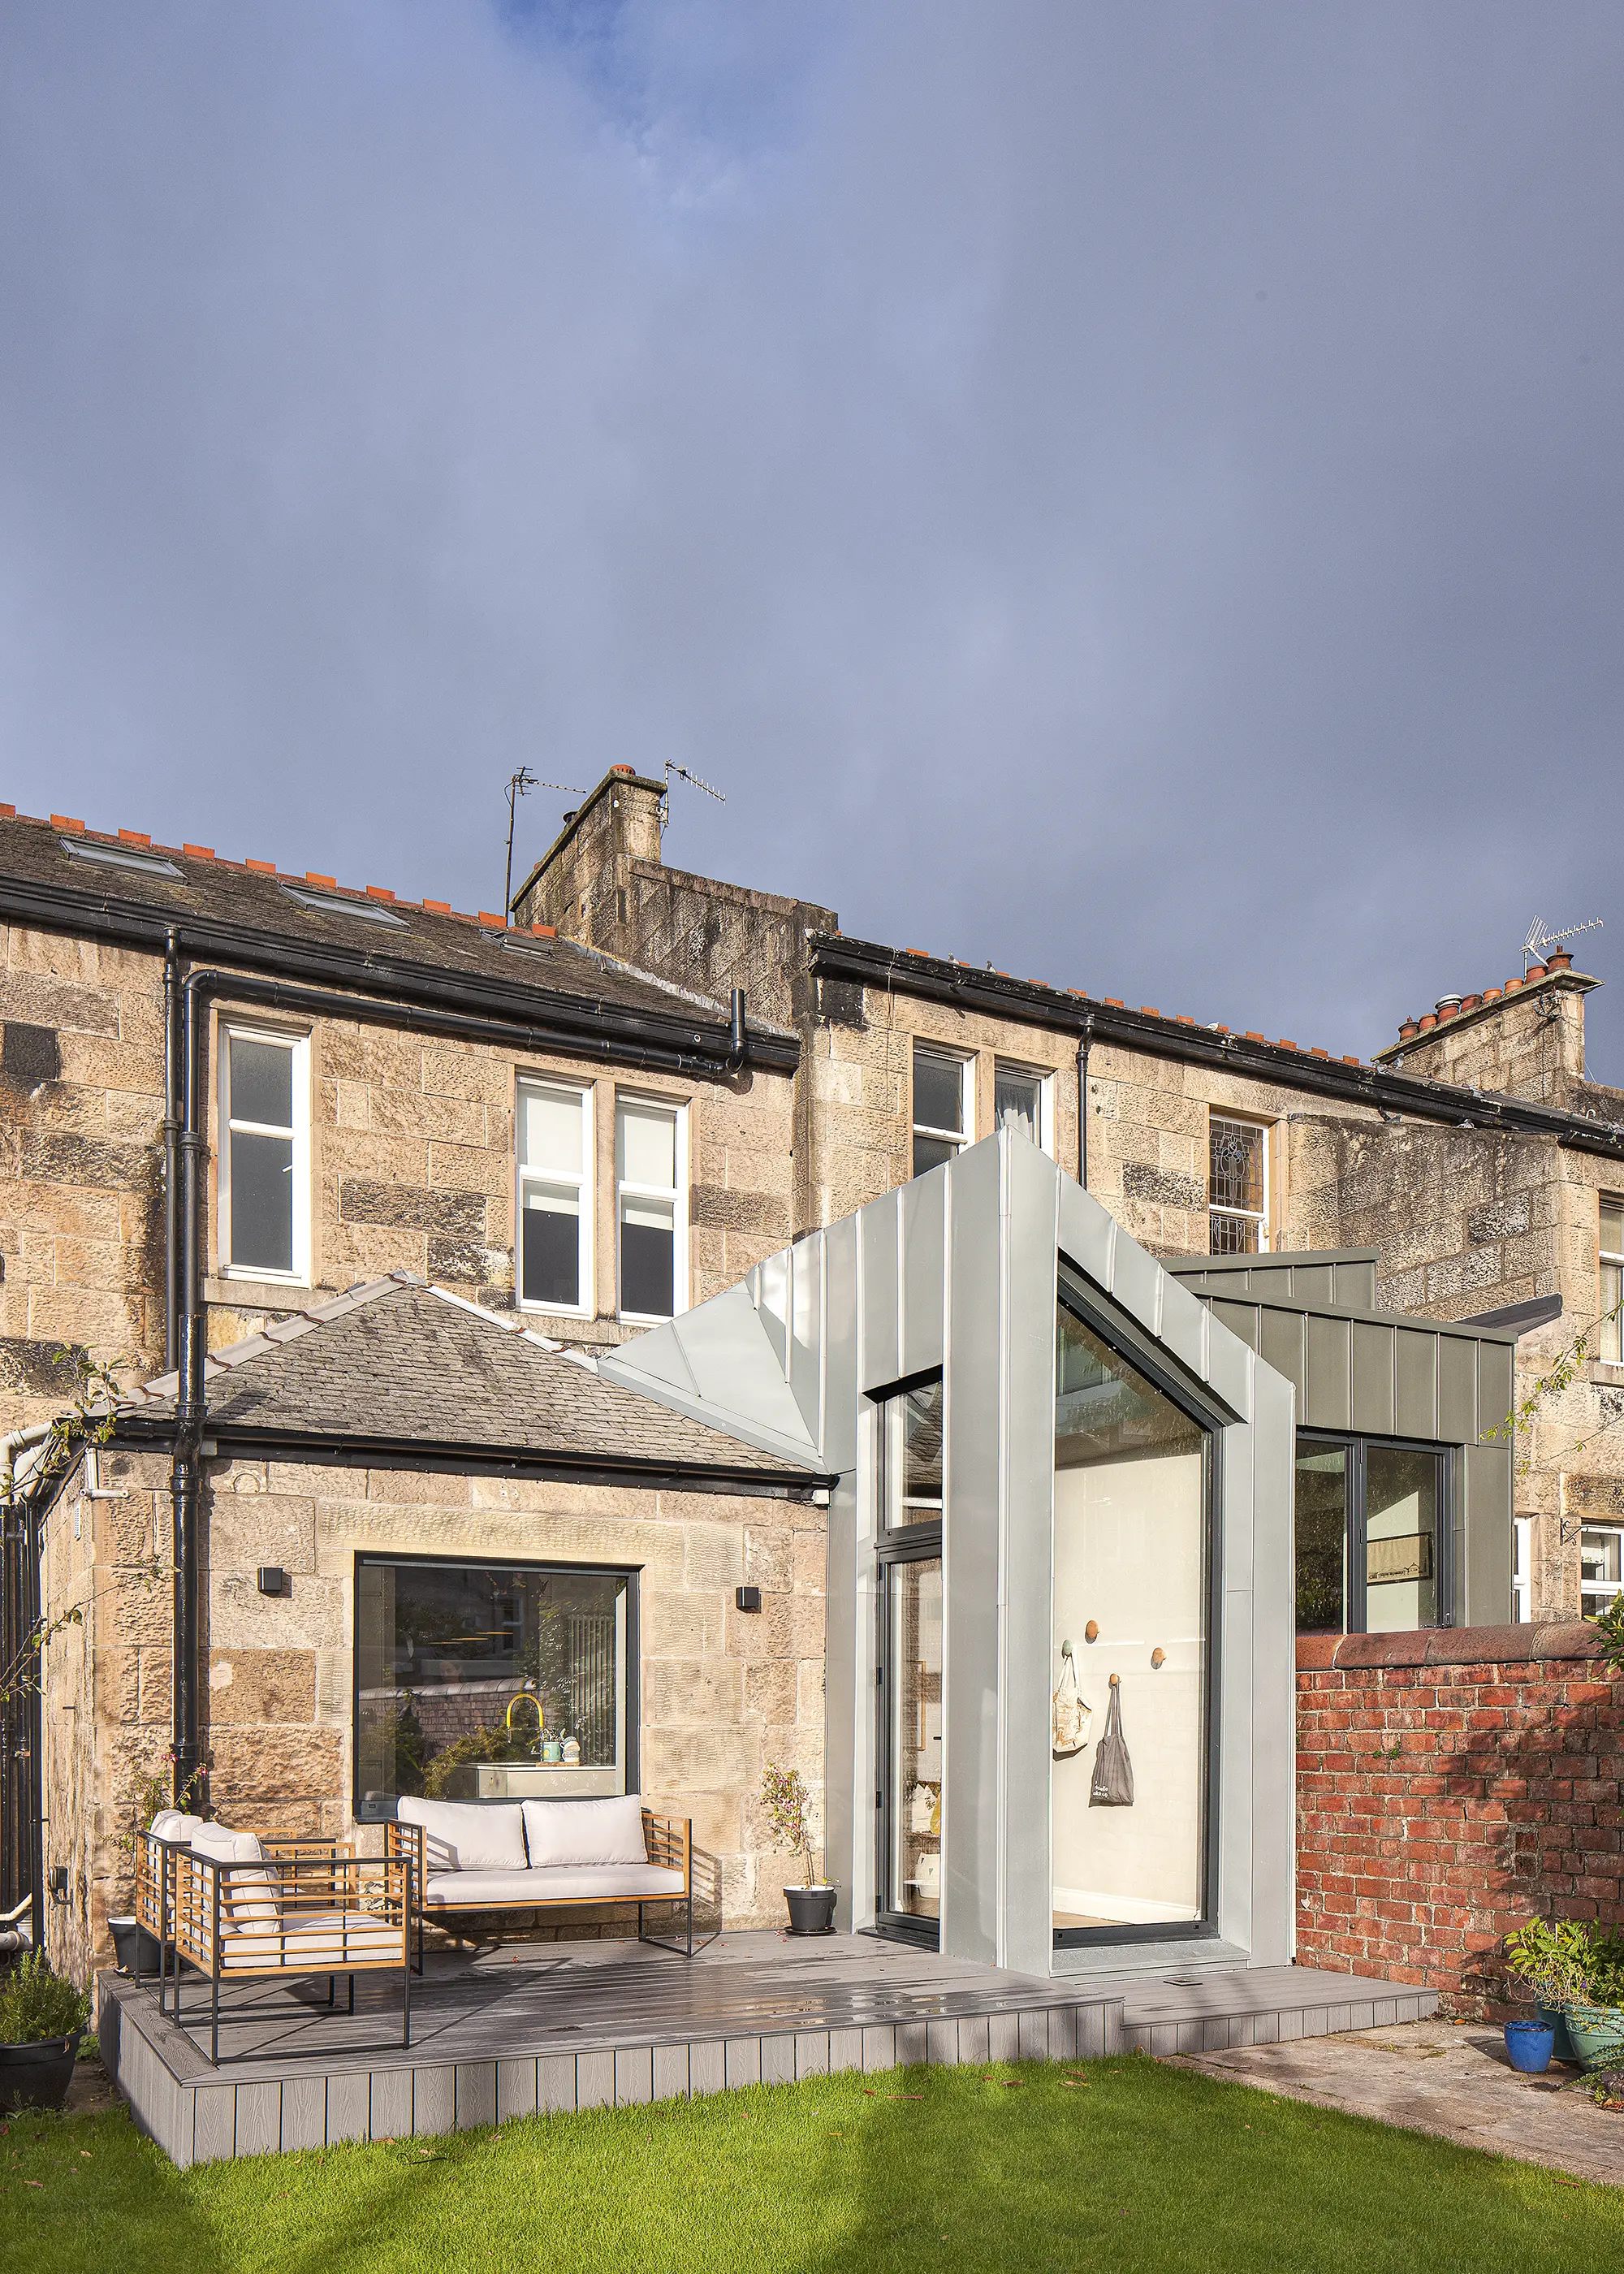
x=1133, y=496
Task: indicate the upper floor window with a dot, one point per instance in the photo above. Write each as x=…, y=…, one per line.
x=1611, y=1277
x=264, y=1153
x=555, y=1197
x=1238, y=1186
x=1021, y=1098
x=942, y=1106
x=1601, y=1569
x=650, y=1170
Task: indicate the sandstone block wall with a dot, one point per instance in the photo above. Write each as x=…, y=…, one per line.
x=1449, y=1786
x=412, y=1166
x=720, y=1691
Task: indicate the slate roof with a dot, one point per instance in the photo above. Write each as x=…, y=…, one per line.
x=253, y=896
x=397, y=1360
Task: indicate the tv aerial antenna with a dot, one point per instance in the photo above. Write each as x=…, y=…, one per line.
x=1538, y=939
x=517, y=785
x=672, y=767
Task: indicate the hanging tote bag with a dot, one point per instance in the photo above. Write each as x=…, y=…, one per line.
x=1072, y=1714
x=1113, y=1771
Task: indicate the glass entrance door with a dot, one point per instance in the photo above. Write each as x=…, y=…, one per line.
x=910, y=1791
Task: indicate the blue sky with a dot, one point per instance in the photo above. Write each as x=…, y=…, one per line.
x=1133, y=496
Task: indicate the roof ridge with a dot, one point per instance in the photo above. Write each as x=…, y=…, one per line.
x=281, y=1330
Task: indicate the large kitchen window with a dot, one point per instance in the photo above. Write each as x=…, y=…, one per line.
x=944, y=1106
x=1130, y=1665
x=488, y=1681
x=1373, y=1544
x=264, y=1153
x=555, y=1197
x=1238, y=1186
x=651, y=1175
x=1612, y=1258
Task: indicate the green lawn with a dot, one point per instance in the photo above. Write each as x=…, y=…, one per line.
x=1138, y=2166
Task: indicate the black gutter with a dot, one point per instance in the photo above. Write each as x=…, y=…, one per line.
x=933, y=980
x=467, y=1004
x=226, y=1440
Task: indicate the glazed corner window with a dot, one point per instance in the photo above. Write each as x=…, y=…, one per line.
x=1601, y=1569
x=264, y=1153
x=555, y=1198
x=1238, y=1186
x=1612, y=1344
x=1369, y=1538
x=1020, y=1099
x=912, y=1457
x=650, y=1144
x=941, y=1106
x=487, y=1681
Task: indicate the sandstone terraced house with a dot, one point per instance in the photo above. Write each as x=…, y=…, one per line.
x=228, y=1093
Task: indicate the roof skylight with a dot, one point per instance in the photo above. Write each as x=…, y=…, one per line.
x=334, y=904
x=119, y=856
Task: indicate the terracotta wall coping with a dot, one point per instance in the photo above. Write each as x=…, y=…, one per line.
x=1513, y=1645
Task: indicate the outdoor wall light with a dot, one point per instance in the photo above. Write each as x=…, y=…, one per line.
x=59, y=1883
x=749, y=1599
x=275, y=1581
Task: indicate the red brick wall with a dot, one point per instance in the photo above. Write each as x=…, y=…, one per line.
x=1449, y=1785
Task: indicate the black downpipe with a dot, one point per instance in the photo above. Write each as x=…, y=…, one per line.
x=736, y=1050
x=185, y=1474
x=171, y=1152
x=1085, y=1045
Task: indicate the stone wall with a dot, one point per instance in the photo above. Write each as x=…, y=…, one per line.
x=412, y=1166
x=721, y=1691
x=1451, y=1785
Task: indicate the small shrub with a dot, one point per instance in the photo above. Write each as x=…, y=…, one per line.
x=36, y=2004
x=789, y=1812
x=1565, y=1961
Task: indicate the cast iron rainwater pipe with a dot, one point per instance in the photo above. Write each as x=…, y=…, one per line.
x=1085, y=1044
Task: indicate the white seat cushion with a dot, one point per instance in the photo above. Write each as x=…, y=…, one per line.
x=321, y=1942
x=568, y=1832
x=586, y=1883
x=462, y=1836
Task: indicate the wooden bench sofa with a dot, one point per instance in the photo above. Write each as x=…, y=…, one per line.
x=548, y=1855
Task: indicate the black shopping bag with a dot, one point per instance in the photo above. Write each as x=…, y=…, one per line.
x=1113, y=1771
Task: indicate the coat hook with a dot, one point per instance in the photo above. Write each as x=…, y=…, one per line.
x=1116, y=1681
x=1091, y=1632
x=1065, y=1649
x=1158, y=1657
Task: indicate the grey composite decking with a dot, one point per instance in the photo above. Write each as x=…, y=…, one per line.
x=547, y=2028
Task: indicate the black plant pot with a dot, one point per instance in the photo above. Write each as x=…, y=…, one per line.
x=135, y=1946
x=811, y=1910
x=37, y=2075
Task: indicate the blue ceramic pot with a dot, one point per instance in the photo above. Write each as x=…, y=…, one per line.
x=1528, y=2046
x=1555, y=2018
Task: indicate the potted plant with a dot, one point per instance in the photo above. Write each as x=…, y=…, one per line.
x=1549, y=1957
x=789, y=1808
x=1595, y=2017
x=41, y=2018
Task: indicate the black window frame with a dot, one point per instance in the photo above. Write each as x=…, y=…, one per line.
x=1129, y=1341
x=384, y=1812
x=1355, y=1443
x=911, y=1543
